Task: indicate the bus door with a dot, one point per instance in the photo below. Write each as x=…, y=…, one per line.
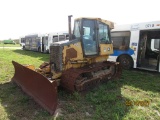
x=148, y=52
x=157, y=47
x=43, y=39
x=45, y=44
x=38, y=44
x=27, y=44
x=30, y=43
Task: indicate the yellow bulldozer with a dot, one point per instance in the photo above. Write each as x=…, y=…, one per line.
x=77, y=64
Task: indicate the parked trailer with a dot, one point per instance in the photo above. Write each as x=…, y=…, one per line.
x=137, y=45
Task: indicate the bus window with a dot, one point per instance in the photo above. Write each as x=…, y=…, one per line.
x=45, y=41
x=61, y=37
x=33, y=41
x=156, y=44
x=55, y=38
x=22, y=40
x=67, y=37
x=120, y=40
x=27, y=41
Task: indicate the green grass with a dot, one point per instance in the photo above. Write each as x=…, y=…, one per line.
x=106, y=102
x=9, y=45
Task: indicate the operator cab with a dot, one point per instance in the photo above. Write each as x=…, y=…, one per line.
x=91, y=33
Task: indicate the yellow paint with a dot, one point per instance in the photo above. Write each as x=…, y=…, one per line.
x=56, y=75
x=30, y=67
x=106, y=49
x=80, y=61
x=77, y=46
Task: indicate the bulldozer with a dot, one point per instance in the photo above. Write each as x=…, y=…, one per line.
x=77, y=64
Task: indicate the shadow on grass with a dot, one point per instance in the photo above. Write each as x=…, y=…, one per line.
x=18, y=106
x=145, y=80
x=42, y=56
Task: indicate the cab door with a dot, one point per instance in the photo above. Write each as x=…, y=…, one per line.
x=104, y=37
x=89, y=39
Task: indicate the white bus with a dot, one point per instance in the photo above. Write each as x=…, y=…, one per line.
x=33, y=42
x=55, y=37
x=41, y=42
x=22, y=41
x=137, y=45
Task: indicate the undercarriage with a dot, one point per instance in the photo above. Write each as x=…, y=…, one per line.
x=81, y=79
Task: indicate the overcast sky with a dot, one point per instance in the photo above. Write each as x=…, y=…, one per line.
x=21, y=17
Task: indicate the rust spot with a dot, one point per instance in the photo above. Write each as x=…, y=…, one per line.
x=70, y=53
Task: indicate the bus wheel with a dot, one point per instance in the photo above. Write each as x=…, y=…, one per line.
x=126, y=62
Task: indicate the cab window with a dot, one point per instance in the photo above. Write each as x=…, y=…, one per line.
x=104, y=33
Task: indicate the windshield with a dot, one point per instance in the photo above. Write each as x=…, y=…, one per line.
x=88, y=39
x=104, y=35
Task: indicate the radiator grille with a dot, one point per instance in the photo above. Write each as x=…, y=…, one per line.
x=56, y=57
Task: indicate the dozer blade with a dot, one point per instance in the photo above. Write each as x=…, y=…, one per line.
x=37, y=86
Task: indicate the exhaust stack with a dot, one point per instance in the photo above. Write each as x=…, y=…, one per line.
x=69, y=27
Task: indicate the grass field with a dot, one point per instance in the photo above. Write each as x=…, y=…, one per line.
x=116, y=100
x=9, y=45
